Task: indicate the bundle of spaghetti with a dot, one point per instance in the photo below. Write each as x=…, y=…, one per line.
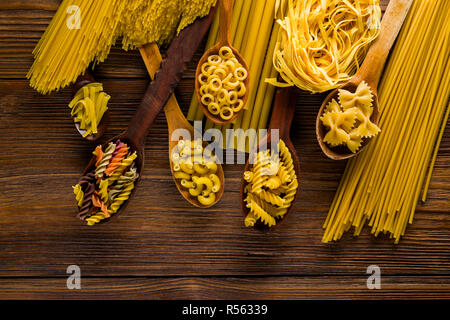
x=381, y=186
x=253, y=34
x=322, y=42
x=83, y=31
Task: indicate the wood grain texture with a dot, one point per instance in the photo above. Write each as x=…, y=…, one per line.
x=161, y=247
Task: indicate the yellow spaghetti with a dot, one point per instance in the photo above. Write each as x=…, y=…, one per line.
x=381, y=186
x=83, y=31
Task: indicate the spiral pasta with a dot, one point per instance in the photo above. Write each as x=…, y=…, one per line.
x=222, y=84
x=271, y=187
x=101, y=192
x=104, y=161
x=348, y=121
x=79, y=194
x=119, y=154
x=196, y=171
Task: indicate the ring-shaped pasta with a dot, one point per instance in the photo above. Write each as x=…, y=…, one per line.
x=242, y=90
x=231, y=85
x=220, y=72
x=226, y=113
x=232, y=97
x=228, y=78
x=240, y=73
x=215, y=84
x=202, y=79
x=235, y=60
x=230, y=65
x=214, y=108
x=214, y=59
x=207, y=99
x=205, y=68
x=238, y=105
x=222, y=96
x=204, y=89
x=226, y=52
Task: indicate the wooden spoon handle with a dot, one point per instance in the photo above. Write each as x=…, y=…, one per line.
x=390, y=27
x=152, y=58
x=159, y=91
x=283, y=111
x=226, y=13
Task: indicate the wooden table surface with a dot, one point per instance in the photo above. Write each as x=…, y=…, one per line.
x=161, y=247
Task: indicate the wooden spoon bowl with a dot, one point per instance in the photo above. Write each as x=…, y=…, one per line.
x=370, y=72
x=282, y=116
x=176, y=121
x=157, y=94
x=226, y=10
x=79, y=83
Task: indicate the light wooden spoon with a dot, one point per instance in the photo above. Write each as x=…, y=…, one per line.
x=176, y=120
x=370, y=72
x=226, y=11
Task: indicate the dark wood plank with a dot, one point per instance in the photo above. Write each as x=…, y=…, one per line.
x=229, y=288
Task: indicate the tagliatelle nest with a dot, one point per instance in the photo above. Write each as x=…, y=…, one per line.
x=322, y=42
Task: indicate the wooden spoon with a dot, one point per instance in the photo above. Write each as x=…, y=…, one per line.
x=101, y=128
x=226, y=11
x=176, y=120
x=158, y=93
x=282, y=115
x=370, y=72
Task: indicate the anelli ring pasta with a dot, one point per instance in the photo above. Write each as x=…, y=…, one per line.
x=222, y=84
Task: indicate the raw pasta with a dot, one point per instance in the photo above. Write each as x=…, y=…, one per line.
x=381, y=186
x=88, y=107
x=348, y=121
x=109, y=185
x=269, y=195
x=196, y=171
x=222, y=84
x=83, y=31
x=322, y=42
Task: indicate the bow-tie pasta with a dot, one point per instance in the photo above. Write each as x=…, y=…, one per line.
x=348, y=121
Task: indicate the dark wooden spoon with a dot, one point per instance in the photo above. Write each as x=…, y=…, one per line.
x=370, y=72
x=158, y=93
x=175, y=121
x=282, y=116
x=83, y=80
x=226, y=12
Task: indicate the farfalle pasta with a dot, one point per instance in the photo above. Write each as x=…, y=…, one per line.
x=348, y=121
x=271, y=187
x=101, y=193
x=222, y=84
x=196, y=169
x=88, y=107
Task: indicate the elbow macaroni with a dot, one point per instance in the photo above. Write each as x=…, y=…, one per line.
x=196, y=169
